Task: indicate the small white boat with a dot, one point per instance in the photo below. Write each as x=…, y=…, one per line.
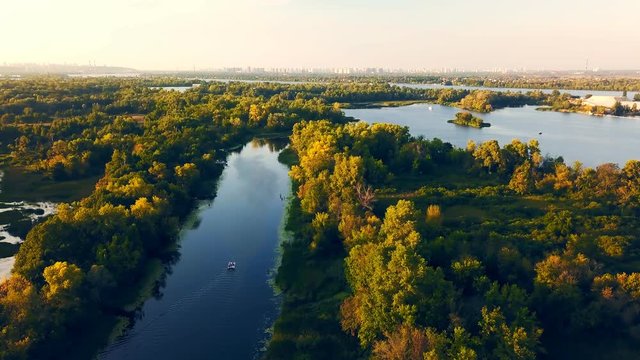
x=430, y=108
x=231, y=265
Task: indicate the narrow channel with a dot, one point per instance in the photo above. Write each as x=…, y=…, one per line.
x=206, y=311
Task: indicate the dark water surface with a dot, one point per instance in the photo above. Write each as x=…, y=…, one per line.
x=592, y=140
x=206, y=311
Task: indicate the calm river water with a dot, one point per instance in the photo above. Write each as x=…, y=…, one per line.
x=206, y=311
x=591, y=140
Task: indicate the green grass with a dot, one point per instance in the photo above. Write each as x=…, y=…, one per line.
x=451, y=177
x=21, y=185
x=380, y=104
x=465, y=211
x=288, y=157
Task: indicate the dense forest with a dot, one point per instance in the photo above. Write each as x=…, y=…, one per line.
x=595, y=82
x=157, y=152
x=405, y=247
x=567, y=81
x=427, y=251
x=606, y=81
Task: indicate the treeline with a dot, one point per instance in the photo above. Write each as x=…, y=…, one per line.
x=533, y=81
x=603, y=83
x=40, y=101
x=71, y=269
x=68, y=141
x=487, y=252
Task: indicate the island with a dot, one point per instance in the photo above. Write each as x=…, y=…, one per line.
x=465, y=118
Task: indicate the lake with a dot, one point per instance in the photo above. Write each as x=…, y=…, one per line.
x=206, y=311
x=592, y=140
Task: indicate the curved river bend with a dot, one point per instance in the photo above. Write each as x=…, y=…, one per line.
x=206, y=311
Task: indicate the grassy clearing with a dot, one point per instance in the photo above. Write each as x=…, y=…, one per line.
x=450, y=177
x=288, y=157
x=380, y=104
x=20, y=185
x=465, y=212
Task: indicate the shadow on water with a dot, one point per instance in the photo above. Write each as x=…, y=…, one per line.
x=274, y=144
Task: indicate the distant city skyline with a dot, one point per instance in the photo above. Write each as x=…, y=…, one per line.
x=404, y=34
x=7, y=69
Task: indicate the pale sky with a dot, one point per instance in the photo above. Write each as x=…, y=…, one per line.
x=180, y=34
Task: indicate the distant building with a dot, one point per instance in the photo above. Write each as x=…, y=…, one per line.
x=610, y=101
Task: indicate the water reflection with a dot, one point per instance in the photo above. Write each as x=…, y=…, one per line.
x=274, y=144
x=201, y=310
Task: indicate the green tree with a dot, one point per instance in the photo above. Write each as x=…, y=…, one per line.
x=504, y=341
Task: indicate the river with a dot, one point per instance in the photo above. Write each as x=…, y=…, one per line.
x=206, y=311
x=592, y=140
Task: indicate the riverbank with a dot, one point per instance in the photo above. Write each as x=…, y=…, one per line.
x=25, y=199
x=586, y=112
x=120, y=311
x=115, y=321
x=313, y=286
x=119, y=315
x=197, y=287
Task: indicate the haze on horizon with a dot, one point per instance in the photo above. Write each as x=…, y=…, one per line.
x=409, y=34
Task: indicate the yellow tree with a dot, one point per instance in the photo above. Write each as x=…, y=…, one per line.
x=522, y=181
x=63, y=281
x=489, y=155
x=20, y=315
